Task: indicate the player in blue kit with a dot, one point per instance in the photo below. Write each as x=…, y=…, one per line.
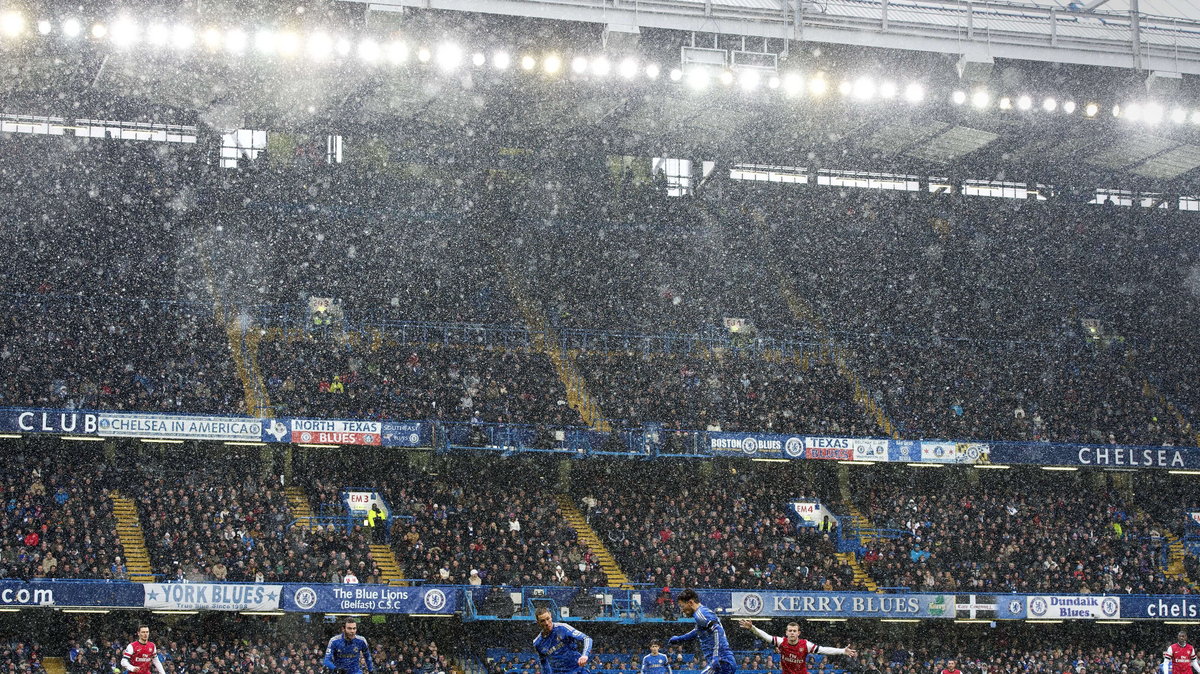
x=710, y=632
x=656, y=663
x=561, y=649
x=345, y=649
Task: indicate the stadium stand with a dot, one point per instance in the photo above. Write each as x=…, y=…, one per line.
x=317, y=376
x=1012, y=532
x=57, y=522
x=492, y=515
x=674, y=526
x=209, y=523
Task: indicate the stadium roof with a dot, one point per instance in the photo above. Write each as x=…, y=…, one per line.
x=1168, y=31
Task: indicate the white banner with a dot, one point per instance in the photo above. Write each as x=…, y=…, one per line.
x=212, y=596
x=1067, y=607
x=939, y=452
x=112, y=424
x=870, y=449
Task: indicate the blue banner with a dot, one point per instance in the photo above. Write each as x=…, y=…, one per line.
x=66, y=422
x=1100, y=456
x=317, y=598
x=1167, y=607
x=70, y=593
x=832, y=604
x=406, y=434
x=756, y=445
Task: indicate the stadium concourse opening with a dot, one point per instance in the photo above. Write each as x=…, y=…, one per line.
x=518, y=338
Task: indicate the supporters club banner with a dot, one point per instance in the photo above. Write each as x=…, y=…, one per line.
x=325, y=431
x=212, y=596
x=1072, y=607
x=370, y=599
x=834, y=604
x=73, y=422
x=181, y=427
x=756, y=445
x=69, y=594
x=406, y=434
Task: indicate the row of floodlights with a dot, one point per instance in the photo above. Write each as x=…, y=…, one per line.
x=1150, y=113
x=320, y=46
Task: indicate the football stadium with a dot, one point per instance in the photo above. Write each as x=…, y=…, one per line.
x=599, y=336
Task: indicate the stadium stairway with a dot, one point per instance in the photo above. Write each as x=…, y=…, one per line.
x=861, y=577
x=385, y=558
x=243, y=348
x=588, y=536
x=1175, y=568
x=54, y=665
x=802, y=311
x=133, y=541
x=546, y=341
x=298, y=506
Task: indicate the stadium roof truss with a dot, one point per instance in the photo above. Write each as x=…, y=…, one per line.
x=1161, y=35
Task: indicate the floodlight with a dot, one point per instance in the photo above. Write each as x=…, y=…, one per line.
x=235, y=41
x=368, y=50
x=864, y=89
x=501, y=60
x=1069, y=107
x=579, y=65
x=601, y=66
x=1024, y=103
x=1091, y=109
x=628, y=69
x=552, y=64
x=44, y=27
x=914, y=93
x=749, y=80
x=980, y=99
x=676, y=74
x=652, y=71
x=158, y=35
x=528, y=63
x=123, y=32
x=958, y=97
x=478, y=59
x=71, y=28
x=12, y=24
x=1049, y=105
x=449, y=56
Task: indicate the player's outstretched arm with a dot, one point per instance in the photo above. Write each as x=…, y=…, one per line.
x=747, y=625
x=826, y=650
x=678, y=638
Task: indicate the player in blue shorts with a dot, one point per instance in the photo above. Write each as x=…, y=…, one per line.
x=345, y=649
x=561, y=649
x=656, y=663
x=709, y=630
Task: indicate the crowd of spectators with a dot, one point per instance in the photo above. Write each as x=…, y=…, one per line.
x=115, y=354
x=253, y=649
x=672, y=526
x=211, y=523
x=17, y=656
x=56, y=522
x=735, y=392
x=1012, y=532
x=478, y=520
x=319, y=376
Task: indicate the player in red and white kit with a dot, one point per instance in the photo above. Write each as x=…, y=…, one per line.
x=1180, y=657
x=794, y=651
x=139, y=654
x=951, y=668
